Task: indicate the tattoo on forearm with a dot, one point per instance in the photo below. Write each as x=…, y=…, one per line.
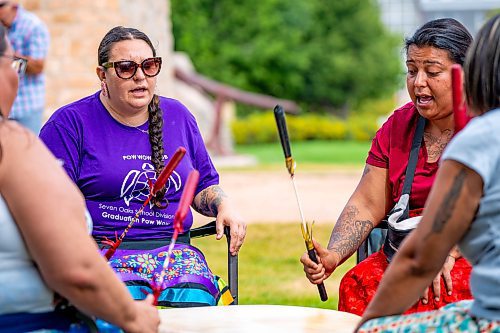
x=217, y=197
x=210, y=199
x=366, y=171
x=349, y=232
x=449, y=202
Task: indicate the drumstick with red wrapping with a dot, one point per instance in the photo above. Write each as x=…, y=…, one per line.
x=179, y=217
x=279, y=115
x=459, y=111
x=158, y=185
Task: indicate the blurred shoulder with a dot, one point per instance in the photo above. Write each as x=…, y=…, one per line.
x=11, y=133
x=84, y=107
x=16, y=143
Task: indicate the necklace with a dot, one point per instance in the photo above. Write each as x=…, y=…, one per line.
x=141, y=130
x=136, y=127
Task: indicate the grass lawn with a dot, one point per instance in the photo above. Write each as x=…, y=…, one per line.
x=342, y=153
x=269, y=267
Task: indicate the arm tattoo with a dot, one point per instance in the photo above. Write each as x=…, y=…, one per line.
x=210, y=200
x=366, y=171
x=349, y=232
x=449, y=202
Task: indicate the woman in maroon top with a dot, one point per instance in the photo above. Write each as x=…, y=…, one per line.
x=430, y=53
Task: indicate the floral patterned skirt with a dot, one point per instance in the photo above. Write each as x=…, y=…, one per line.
x=454, y=317
x=188, y=281
x=359, y=285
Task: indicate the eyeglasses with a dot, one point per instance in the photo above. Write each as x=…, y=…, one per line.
x=126, y=69
x=18, y=64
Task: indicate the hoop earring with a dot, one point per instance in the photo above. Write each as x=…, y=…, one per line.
x=104, y=88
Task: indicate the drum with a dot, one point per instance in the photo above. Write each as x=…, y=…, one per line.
x=256, y=318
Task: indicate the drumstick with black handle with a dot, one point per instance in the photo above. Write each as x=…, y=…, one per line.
x=279, y=115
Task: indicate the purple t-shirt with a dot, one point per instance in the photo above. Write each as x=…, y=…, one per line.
x=111, y=164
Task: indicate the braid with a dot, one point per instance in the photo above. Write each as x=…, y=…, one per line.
x=156, y=141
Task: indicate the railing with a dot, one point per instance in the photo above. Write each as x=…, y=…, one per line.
x=222, y=93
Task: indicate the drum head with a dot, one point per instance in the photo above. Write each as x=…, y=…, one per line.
x=256, y=318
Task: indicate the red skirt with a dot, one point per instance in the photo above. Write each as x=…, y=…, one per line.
x=359, y=285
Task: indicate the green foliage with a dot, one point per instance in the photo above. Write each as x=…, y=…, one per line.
x=269, y=267
x=492, y=12
x=353, y=56
x=360, y=129
x=326, y=54
x=361, y=125
x=368, y=117
x=376, y=108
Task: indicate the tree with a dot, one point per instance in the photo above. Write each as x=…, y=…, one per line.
x=326, y=54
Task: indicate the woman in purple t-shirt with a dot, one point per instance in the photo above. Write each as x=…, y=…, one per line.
x=112, y=142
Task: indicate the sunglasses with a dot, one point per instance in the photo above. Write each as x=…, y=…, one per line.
x=126, y=69
x=18, y=64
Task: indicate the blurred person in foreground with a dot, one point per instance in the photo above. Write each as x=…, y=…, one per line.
x=399, y=172
x=117, y=140
x=30, y=39
x=463, y=208
x=44, y=243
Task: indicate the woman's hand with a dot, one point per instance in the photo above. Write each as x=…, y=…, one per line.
x=212, y=201
x=446, y=274
x=318, y=272
x=147, y=319
x=237, y=227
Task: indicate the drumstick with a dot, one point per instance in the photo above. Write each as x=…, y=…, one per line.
x=459, y=112
x=159, y=184
x=180, y=215
x=279, y=115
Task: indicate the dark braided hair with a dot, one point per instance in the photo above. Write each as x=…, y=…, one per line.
x=156, y=141
x=446, y=34
x=155, y=117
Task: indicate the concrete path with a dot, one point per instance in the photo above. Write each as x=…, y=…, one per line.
x=267, y=196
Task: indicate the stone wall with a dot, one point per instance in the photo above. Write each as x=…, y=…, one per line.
x=77, y=26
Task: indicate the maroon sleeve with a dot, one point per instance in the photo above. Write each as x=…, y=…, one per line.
x=379, y=152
